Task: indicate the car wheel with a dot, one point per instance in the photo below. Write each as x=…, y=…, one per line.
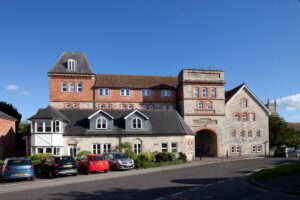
x=50, y=174
x=115, y=167
x=32, y=178
x=105, y=171
x=87, y=172
x=75, y=174
x=3, y=180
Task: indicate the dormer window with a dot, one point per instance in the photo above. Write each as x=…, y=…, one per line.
x=71, y=64
x=136, y=123
x=101, y=123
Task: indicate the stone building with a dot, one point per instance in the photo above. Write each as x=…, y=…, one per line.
x=195, y=100
x=7, y=135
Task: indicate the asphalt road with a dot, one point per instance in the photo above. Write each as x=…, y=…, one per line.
x=213, y=181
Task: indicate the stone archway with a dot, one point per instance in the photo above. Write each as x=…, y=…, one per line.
x=206, y=143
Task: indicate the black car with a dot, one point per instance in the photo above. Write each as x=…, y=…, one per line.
x=286, y=152
x=58, y=165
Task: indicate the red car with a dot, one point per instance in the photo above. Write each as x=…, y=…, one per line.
x=93, y=163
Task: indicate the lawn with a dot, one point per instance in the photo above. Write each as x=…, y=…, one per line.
x=277, y=171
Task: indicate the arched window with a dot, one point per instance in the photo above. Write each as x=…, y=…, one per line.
x=209, y=105
x=102, y=106
x=101, y=123
x=79, y=87
x=137, y=147
x=136, y=123
x=151, y=107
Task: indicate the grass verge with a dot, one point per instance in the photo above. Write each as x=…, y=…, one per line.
x=146, y=165
x=277, y=171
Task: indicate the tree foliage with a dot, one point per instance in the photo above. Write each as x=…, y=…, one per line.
x=10, y=110
x=281, y=134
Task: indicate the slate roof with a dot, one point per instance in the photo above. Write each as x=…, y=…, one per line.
x=135, y=81
x=295, y=126
x=82, y=65
x=49, y=113
x=6, y=116
x=230, y=93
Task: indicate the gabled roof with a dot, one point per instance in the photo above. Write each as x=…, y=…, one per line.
x=82, y=65
x=136, y=111
x=105, y=113
x=49, y=113
x=229, y=95
x=136, y=81
x=6, y=116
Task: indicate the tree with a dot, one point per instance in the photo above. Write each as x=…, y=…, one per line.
x=10, y=110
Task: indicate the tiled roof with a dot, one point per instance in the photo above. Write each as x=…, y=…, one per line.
x=136, y=81
x=49, y=113
x=6, y=116
x=295, y=126
x=82, y=65
x=230, y=93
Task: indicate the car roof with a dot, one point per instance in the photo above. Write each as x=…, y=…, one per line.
x=17, y=158
x=90, y=155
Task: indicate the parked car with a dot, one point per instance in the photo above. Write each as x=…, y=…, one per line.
x=58, y=165
x=93, y=163
x=119, y=161
x=286, y=152
x=17, y=168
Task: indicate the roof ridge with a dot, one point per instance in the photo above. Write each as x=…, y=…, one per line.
x=137, y=75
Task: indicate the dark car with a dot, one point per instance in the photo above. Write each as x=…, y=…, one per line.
x=58, y=165
x=119, y=161
x=17, y=168
x=286, y=152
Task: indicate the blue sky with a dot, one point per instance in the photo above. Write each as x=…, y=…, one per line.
x=253, y=41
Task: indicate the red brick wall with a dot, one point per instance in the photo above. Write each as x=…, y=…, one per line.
x=8, y=137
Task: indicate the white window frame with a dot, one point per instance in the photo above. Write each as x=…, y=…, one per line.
x=125, y=92
x=259, y=148
x=252, y=117
x=58, y=124
x=146, y=92
x=244, y=103
x=72, y=87
x=233, y=149
x=174, y=149
x=136, y=120
x=244, y=117
x=254, y=149
x=204, y=92
x=75, y=105
x=164, y=149
x=44, y=126
x=102, y=106
x=68, y=105
x=123, y=107
x=107, y=148
x=130, y=107
x=96, y=148
x=79, y=87
x=137, y=148
x=71, y=64
x=64, y=87
x=238, y=149
x=209, y=105
x=56, y=151
x=213, y=93
x=166, y=93
x=109, y=106
x=196, y=92
x=200, y=105
x=101, y=121
x=144, y=107
x=103, y=92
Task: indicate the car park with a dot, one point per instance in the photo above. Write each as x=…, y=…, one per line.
x=284, y=151
x=93, y=163
x=119, y=161
x=58, y=165
x=17, y=168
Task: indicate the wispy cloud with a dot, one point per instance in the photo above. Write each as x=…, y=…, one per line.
x=291, y=103
x=16, y=89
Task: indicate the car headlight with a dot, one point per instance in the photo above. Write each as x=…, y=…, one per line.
x=132, y=161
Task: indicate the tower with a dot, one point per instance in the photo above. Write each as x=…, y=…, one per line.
x=272, y=106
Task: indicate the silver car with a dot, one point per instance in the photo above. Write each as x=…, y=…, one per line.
x=119, y=161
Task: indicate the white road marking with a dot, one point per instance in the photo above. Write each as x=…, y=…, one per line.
x=176, y=194
x=194, y=189
x=209, y=185
x=160, y=198
x=220, y=181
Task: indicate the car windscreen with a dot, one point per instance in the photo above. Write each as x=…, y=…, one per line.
x=64, y=159
x=97, y=158
x=121, y=155
x=18, y=162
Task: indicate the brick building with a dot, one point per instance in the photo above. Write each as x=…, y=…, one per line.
x=7, y=135
x=210, y=114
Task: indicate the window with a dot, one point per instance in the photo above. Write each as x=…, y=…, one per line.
x=71, y=64
x=253, y=148
x=166, y=93
x=144, y=107
x=79, y=87
x=244, y=117
x=102, y=106
x=123, y=106
x=39, y=126
x=48, y=126
x=236, y=117
x=258, y=134
x=209, y=105
x=200, y=105
x=106, y=148
x=238, y=149
x=249, y=133
x=109, y=106
x=204, y=92
x=242, y=133
x=174, y=147
x=196, y=92
x=68, y=105
x=40, y=150
x=164, y=107
x=49, y=150
x=130, y=107
x=57, y=126
x=136, y=123
x=146, y=92
x=258, y=148
x=64, y=86
x=233, y=133
x=171, y=107
x=125, y=92
x=56, y=151
x=252, y=117
x=244, y=103
x=71, y=87
x=103, y=92
x=75, y=106
x=96, y=149
x=213, y=93
x=233, y=150
x=137, y=148
x=151, y=107
x=164, y=147
x=101, y=123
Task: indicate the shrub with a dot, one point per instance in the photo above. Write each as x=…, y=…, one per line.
x=182, y=156
x=164, y=156
x=82, y=153
x=150, y=157
x=40, y=156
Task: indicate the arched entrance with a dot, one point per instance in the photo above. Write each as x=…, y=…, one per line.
x=206, y=143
